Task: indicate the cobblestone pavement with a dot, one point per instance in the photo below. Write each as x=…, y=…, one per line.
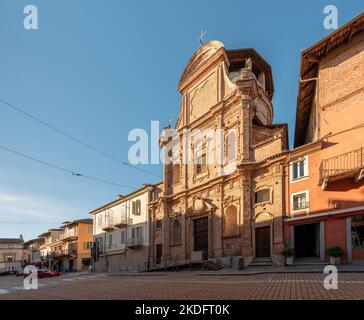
x=187, y=286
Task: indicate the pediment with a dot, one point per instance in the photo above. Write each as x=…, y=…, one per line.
x=203, y=54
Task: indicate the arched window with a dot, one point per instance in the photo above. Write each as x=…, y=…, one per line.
x=176, y=232
x=231, y=220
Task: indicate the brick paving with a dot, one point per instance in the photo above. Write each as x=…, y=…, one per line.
x=282, y=286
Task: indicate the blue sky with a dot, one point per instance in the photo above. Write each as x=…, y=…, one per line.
x=98, y=69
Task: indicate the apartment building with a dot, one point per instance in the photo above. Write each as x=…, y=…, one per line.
x=11, y=254
x=48, y=239
x=121, y=229
x=32, y=254
x=324, y=173
x=68, y=248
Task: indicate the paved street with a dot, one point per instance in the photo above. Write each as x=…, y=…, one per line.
x=186, y=286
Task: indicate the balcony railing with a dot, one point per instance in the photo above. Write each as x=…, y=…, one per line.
x=135, y=242
x=342, y=166
x=300, y=206
x=122, y=221
x=108, y=226
x=69, y=235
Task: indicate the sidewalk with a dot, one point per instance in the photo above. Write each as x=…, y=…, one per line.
x=354, y=268
x=287, y=269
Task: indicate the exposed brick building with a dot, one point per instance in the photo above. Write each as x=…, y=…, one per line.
x=324, y=175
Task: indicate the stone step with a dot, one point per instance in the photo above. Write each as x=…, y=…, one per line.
x=261, y=262
x=211, y=265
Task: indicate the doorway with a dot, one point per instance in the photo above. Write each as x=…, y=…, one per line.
x=201, y=235
x=307, y=240
x=262, y=242
x=158, y=254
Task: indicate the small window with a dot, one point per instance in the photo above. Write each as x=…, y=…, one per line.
x=89, y=229
x=137, y=233
x=122, y=237
x=357, y=232
x=262, y=196
x=99, y=220
x=158, y=223
x=101, y=244
x=137, y=205
x=87, y=245
x=9, y=258
x=110, y=240
x=201, y=163
x=299, y=169
x=300, y=201
x=176, y=232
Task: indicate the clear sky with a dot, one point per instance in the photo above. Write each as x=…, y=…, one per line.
x=98, y=69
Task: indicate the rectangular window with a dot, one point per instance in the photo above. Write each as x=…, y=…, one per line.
x=101, y=244
x=10, y=258
x=99, y=220
x=262, y=196
x=200, y=163
x=300, y=169
x=300, y=201
x=122, y=237
x=137, y=207
x=357, y=232
x=137, y=233
x=87, y=245
x=133, y=208
x=158, y=223
x=89, y=229
x=110, y=240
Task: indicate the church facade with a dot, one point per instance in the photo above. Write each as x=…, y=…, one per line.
x=222, y=194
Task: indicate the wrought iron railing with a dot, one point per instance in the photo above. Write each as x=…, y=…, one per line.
x=133, y=242
x=342, y=163
x=301, y=205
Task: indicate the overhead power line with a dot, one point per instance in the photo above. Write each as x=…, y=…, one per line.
x=73, y=173
x=17, y=222
x=48, y=125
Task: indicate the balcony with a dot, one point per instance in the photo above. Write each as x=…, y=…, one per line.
x=108, y=226
x=69, y=236
x=135, y=242
x=70, y=252
x=343, y=166
x=121, y=222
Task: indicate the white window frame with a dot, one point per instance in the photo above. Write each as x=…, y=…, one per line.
x=307, y=193
x=305, y=169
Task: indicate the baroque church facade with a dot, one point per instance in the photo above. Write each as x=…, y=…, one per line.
x=229, y=209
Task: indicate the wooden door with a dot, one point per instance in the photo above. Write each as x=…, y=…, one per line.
x=262, y=242
x=201, y=234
